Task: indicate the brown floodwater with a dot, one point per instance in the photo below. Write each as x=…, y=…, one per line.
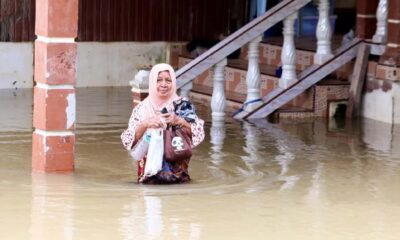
x=297, y=179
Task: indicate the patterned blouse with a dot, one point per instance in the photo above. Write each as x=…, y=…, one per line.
x=172, y=172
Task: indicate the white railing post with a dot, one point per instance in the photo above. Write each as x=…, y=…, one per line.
x=381, y=24
x=218, y=100
x=185, y=89
x=288, y=55
x=253, y=77
x=324, y=34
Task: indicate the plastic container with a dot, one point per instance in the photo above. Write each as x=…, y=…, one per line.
x=140, y=149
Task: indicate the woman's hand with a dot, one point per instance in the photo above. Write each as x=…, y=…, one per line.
x=153, y=122
x=172, y=119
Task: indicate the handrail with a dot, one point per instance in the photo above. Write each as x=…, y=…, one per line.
x=306, y=79
x=237, y=39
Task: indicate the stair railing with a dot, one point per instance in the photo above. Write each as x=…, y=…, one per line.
x=251, y=33
x=238, y=39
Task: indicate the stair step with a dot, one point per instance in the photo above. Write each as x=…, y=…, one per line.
x=236, y=90
x=229, y=95
x=303, y=43
x=343, y=55
x=242, y=64
x=333, y=82
x=292, y=109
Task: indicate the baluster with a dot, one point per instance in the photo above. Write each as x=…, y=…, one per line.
x=185, y=89
x=218, y=100
x=288, y=55
x=253, y=77
x=324, y=34
x=381, y=25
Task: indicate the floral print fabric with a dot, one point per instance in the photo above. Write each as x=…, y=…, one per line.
x=177, y=171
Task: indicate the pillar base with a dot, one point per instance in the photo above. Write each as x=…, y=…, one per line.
x=390, y=58
x=379, y=39
x=218, y=116
x=53, y=153
x=252, y=106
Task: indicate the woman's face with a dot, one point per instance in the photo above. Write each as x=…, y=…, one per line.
x=164, y=84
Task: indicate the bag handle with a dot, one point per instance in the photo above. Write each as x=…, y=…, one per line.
x=169, y=126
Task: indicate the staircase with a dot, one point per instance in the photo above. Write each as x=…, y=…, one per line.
x=303, y=90
x=312, y=102
x=308, y=78
x=238, y=39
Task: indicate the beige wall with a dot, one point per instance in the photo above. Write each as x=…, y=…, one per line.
x=99, y=64
x=115, y=63
x=16, y=65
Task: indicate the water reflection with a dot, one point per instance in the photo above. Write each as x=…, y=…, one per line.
x=146, y=217
x=286, y=146
x=19, y=103
x=217, y=135
x=52, y=207
x=150, y=226
x=154, y=222
x=377, y=135
x=252, y=145
x=250, y=180
x=62, y=210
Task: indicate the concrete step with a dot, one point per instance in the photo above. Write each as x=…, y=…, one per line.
x=235, y=86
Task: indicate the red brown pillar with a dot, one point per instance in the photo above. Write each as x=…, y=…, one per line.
x=366, y=18
x=392, y=54
x=53, y=145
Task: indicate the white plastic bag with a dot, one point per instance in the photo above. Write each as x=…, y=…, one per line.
x=142, y=146
x=155, y=154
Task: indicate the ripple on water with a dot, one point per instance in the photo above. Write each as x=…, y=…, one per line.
x=304, y=176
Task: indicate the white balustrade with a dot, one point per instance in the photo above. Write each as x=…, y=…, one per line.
x=218, y=101
x=288, y=55
x=253, y=77
x=185, y=89
x=381, y=25
x=324, y=34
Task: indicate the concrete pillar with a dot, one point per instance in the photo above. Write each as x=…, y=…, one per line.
x=366, y=18
x=54, y=110
x=392, y=53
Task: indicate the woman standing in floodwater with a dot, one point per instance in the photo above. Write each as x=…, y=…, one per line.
x=147, y=115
